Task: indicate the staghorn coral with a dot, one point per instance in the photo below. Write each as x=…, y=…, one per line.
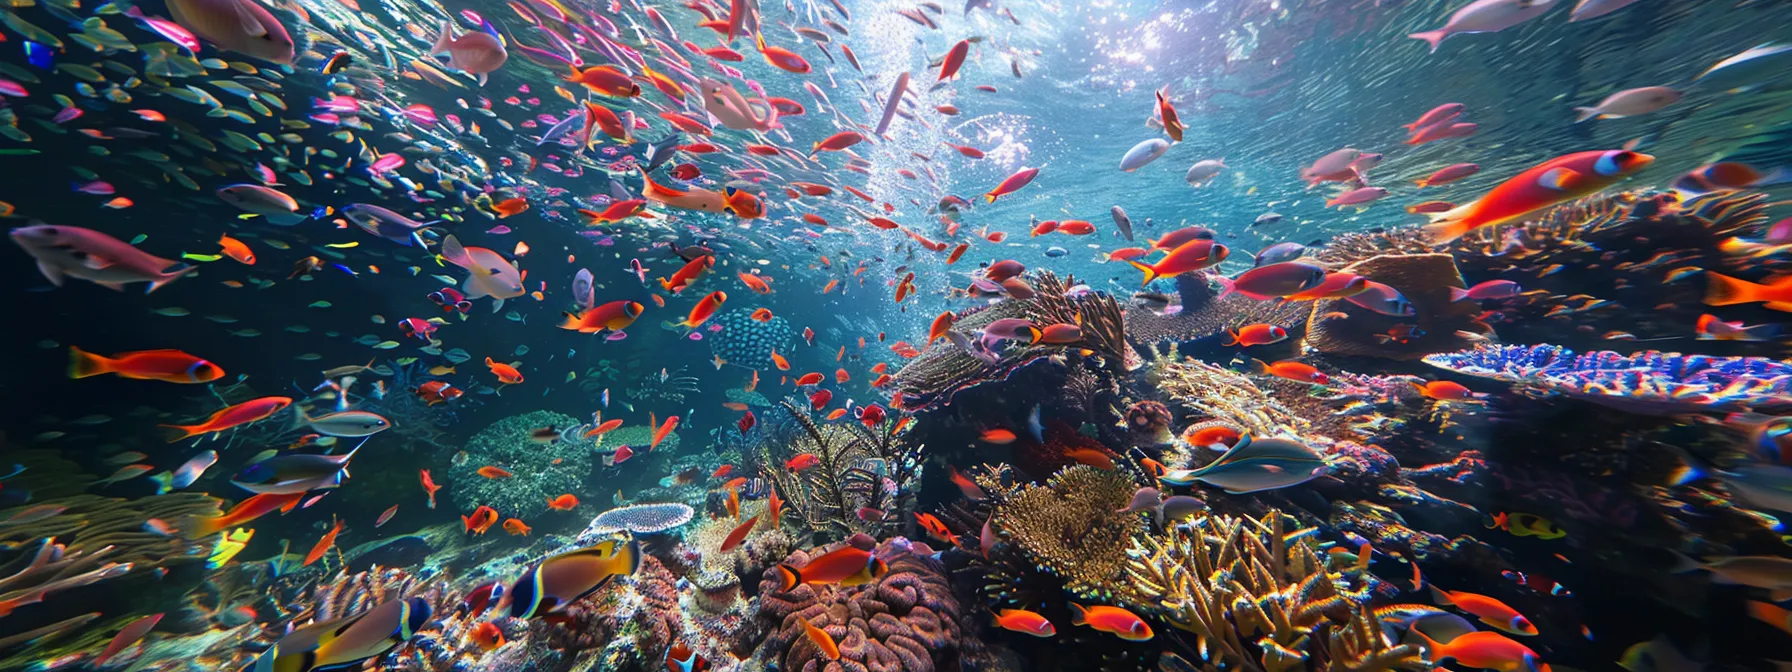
x=1256, y=602
x=535, y=476
x=858, y=468
x=1225, y=395
x=1648, y=382
x=941, y=371
x=1425, y=280
x=1075, y=527
x=906, y=621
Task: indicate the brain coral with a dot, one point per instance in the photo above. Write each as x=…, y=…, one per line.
x=905, y=622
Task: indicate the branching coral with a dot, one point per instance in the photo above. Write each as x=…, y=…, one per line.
x=538, y=472
x=1256, y=601
x=942, y=371
x=1075, y=527
x=1647, y=382
x=1221, y=394
x=857, y=468
x=91, y=522
x=906, y=621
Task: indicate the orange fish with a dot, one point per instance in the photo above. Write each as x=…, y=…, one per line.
x=965, y=484
x=822, y=640
x=1119, y=622
x=1254, y=334
x=1493, y=612
x=705, y=308
x=1557, y=180
x=663, y=430
x=564, y=502
x=998, y=436
x=808, y=379
x=779, y=361
x=429, y=486
x=228, y=417
x=936, y=528
x=486, y=636
x=830, y=286
x=169, y=366
x=603, y=427
x=1485, y=649
x=774, y=510
x=755, y=283
x=739, y=534
x=1443, y=390
x=1025, y=622
x=506, y=373
x=941, y=325
x=247, y=510
x=1290, y=370
x=510, y=207
x=235, y=249
x=323, y=544
x=516, y=528
x=722, y=471
x=1091, y=457
x=841, y=376
x=493, y=472
x=482, y=519
x=802, y=461
x=606, y=80
x=880, y=367
x=761, y=315
x=1224, y=435
x=845, y=566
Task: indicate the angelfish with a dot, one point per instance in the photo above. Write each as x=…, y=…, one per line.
x=560, y=580
x=345, y=643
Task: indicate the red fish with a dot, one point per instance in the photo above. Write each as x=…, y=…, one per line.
x=1011, y=184
x=1554, y=181
x=739, y=534
x=228, y=417
x=323, y=544
x=172, y=366
x=1255, y=334
x=954, y=59
x=845, y=566
x=802, y=461
x=564, y=502
x=481, y=520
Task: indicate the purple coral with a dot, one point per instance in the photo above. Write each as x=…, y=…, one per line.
x=1646, y=382
x=905, y=622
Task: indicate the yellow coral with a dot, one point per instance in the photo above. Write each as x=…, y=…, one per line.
x=1075, y=527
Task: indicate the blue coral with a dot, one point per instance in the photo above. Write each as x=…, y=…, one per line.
x=1643, y=382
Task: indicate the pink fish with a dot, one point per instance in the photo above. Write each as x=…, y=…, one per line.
x=168, y=29
x=1491, y=289
x=12, y=88
x=1449, y=174
x=67, y=114
x=1441, y=131
x=421, y=114
x=385, y=164
x=1357, y=196
x=337, y=104
x=1441, y=113
x=95, y=188
x=1485, y=16
x=242, y=26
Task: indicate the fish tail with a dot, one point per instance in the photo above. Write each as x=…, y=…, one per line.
x=82, y=364
x=176, y=433
x=1585, y=113
x=1258, y=366
x=1231, y=338
x=455, y=253
x=1457, y=294
x=1439, y=596
x=1036, y=334
x=1725, y=290
x=1771, y=614
x=1431, y=37
x=789, y=578
x=1078, y=615
x=443, y=40
x=1442, y=232
x=1150, y=273
x=195, y=527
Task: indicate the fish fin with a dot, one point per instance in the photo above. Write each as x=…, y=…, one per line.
x=1442, y=232
x=1559, y=179
x=1439, y=596
x=1771, y=614
x=82, y=364
x=114, y=286
x=1078, y=615
x=248, y=22
x=789, y=577
x=1725, y=290
x=1782, y=306
x=1432, y=37
x=1585, y=113
x=175, y=433
x=1258, y=366
x=497, y=305
x=1150, y=273
x=480, y=78
x=455, y=253
x=443, y=40
x=1457, y=294
x=51, y=272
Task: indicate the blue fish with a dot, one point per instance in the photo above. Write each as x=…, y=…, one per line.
x=39, y=55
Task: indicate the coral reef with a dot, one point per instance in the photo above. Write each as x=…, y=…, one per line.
x=1218, y=393
x=47, y=569
x=942, y=371
x=538, y=472
x=906, y=621
x=1075, y=527
x=1203, y=314
x=1648, y=382
x=1255, y=601
x=857, y=468
x=746, y=342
